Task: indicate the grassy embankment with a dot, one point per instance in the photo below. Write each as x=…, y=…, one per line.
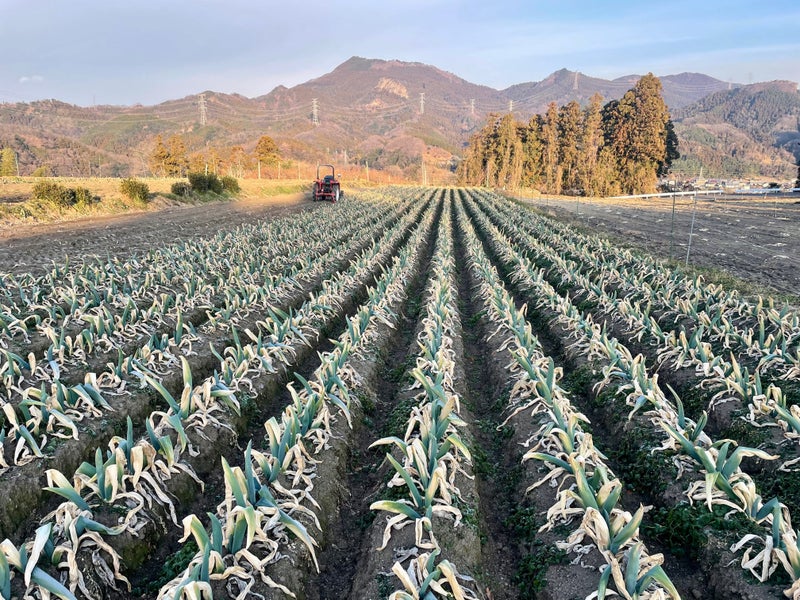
x=17, y=206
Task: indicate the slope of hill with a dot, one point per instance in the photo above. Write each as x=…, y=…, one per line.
x=563, y=86
x=387, y=112
x=753, y=130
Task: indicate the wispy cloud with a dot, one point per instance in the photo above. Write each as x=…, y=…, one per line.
x=31, y=79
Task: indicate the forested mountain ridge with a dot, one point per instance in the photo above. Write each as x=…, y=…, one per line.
x=389, y=113
x=748, y=131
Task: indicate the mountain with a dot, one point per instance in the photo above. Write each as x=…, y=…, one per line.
x=386, y=112
x=748, y=131
x=563, y=86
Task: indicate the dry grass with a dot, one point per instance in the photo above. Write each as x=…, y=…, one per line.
x=17, y=207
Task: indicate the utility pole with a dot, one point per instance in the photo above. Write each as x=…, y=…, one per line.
x=472, y=106
x=422, y=103
x=511, y=106
x=315, y=112
x=202, y=104
x=366, y=163
x=424, y=173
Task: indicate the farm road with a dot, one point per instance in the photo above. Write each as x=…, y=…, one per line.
x=33, y=248
x=753, y=239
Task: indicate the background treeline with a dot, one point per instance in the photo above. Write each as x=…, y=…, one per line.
x=618, y=148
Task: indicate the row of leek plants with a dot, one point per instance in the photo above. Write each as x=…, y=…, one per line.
x=67, y=292
x=277, y=335
x=588, y=488
x=42, y=410
x=70, y=289
x=432, y=453
x=133, y=476
x=108, y=331
x=760, y=332
x=108, y=328
x=721, y=482
x=267, y=500
x=714, y=298
x=725, y=376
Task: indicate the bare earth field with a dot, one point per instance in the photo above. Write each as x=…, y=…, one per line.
x=32, y=248
x=754, y=239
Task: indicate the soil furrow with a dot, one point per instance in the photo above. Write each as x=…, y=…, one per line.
x=386, y=377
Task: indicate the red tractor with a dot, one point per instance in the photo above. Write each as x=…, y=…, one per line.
x=327, y=186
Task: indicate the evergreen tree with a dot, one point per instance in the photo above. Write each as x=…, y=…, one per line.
x=569, y=133
x=797, y=183
x=591, y=140
x=503, y=143
x=549, y=139
x=8, y=162
x=638, y=133
x=473, y=165
x=672, y=153
x=531, y=137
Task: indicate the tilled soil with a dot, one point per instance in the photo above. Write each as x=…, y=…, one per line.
x=33, y=248
x=756, y=240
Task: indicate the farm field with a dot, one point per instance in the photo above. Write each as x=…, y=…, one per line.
x=413, y=393
x=32, y=248
x=757, y=239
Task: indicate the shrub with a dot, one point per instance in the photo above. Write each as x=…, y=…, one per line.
x=202, y=183
x=134, y=189
x=181, y=188
x=61, y=196
x=231, y=184
x=43, y=171
x=54, y=194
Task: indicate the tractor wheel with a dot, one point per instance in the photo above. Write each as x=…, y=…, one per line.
x=314, y=192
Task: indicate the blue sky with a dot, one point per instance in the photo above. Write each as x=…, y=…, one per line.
x=148, y=51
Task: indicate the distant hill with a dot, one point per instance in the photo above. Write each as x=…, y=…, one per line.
x=563, y=86
x=387, y=112
x=751, y=130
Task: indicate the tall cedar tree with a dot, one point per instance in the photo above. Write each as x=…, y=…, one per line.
x=639, y=135
x=549, y=137
x=591, y=139
x=621, y=147
x=532, y=152
x=569, y=142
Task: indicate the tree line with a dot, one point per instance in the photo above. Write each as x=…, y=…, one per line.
x=170, y=158
x=621, y=147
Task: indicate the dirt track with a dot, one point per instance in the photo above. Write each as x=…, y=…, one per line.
x=33, y=248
